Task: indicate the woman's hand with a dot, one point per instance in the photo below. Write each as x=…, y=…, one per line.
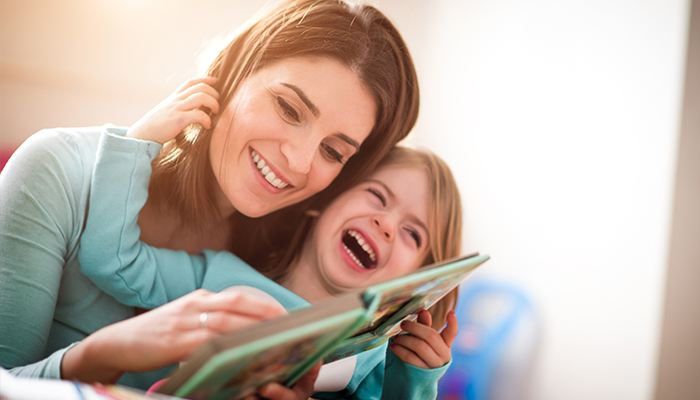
x=183, y=107
x=165, y=335
x=423, y=346
x=301, y=390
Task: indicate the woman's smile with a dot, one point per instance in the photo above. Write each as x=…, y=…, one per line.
x=269, y=176
x=288, y=126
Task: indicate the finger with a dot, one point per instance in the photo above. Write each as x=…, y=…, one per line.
x=449, y=333
x=277, y=392
x=195, y=116
x=205, y=87
x=243, y=304
x=425, y=318
x=407, y=356
x=305, y=386
x=209, y=80
x=222, y=321
x=199, y=100
x=428, y=334
x=198, y=88
x=185, y=342
x=421, y=348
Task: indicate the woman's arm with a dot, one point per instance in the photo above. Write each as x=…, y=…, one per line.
x=165, y=335
x=39, y=190
x=111, y=252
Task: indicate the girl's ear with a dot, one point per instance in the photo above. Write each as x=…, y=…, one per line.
x=312, y=213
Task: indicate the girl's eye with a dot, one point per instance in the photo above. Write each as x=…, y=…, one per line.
x=287, y=109
x=415, y=236
x=332, y=154
x=378, y=195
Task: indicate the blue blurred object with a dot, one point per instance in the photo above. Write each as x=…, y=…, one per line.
x=496, y=328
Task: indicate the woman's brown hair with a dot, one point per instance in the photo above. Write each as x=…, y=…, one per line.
x=358, y=36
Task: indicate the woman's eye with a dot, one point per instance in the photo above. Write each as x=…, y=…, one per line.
x=331, y=153
x=378, y=195
x=287, y=109
x=415, y=236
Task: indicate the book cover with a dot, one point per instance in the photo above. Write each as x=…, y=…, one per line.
x=285, y=348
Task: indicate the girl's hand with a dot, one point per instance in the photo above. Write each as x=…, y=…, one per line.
x=181, y=108
x=164, y=335
x=423, y=346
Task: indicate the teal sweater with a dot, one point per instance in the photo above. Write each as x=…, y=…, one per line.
x=113, y=257
x=46, y=303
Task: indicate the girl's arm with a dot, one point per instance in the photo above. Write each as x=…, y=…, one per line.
x=111, y=253
x=414, y=363
x=420, y=357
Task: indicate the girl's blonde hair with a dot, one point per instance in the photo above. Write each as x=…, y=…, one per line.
x=445, y=224
x=358, y=36
x=445, y=215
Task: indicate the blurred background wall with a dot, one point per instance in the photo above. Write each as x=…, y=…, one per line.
x=560, y=120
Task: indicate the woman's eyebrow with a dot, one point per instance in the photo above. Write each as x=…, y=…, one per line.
x=303, y=98
x=347, y=139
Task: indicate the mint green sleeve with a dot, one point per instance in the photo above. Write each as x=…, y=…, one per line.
x=406, y=381
x=111, y=252
x=394, y=379
x=39, y=191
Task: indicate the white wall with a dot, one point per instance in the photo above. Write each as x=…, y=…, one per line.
x=559, y=119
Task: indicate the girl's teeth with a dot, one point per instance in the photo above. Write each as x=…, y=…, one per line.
x=265, y=170
x=350, y=253
x=366, y=247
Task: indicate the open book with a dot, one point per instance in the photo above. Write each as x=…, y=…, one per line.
x=283, y=349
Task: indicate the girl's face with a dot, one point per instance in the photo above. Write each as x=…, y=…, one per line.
x=287, y=132
x=376, y=231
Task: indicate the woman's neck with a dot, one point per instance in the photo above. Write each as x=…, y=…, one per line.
x=161, y=227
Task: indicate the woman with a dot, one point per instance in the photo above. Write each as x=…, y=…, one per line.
x=202, y=180
x=404, y=215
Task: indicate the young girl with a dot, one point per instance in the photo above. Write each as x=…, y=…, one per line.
x=404, y=215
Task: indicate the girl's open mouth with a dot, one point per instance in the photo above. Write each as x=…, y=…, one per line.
x=359, y=249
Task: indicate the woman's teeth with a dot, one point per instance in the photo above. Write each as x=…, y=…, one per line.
x=365, y=246
x=267, y=172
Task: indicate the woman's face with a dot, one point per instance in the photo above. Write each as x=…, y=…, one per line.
x=287, y=132
x=375, y=231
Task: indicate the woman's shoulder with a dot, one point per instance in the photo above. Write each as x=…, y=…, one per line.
x=67, y=142
x=68, y=151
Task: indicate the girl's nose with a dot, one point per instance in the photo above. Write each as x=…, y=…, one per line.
x=384, y=227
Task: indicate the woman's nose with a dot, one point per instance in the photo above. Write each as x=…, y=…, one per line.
x=384, y=226
x=300, y=154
